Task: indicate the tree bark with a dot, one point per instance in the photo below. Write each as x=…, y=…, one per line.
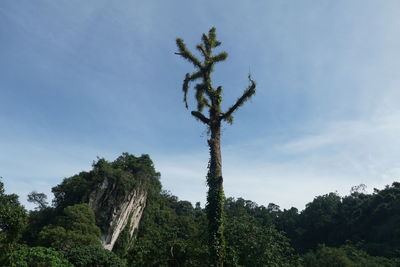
x=215, y=197
x=211, y=98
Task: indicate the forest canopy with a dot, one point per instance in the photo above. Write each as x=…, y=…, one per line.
x=359, y=229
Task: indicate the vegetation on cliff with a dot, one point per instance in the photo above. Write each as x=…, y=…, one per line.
x=51, y=231
x=127, y=172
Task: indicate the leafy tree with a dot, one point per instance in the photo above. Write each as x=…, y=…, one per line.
x=288, y=221
x=320, y=219
x=255, y=245
x=13, y=218
x=358, y=189
x=209, y=97
x=171, y=233
x=37, y=257
x=370, y=220
x=127, y=171
x=380, y=222
x=77, y=227
x=93, y=256
x=345, y=256
x=37, y=219
x=40, y=199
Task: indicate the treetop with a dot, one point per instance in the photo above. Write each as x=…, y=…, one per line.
x=206, y=95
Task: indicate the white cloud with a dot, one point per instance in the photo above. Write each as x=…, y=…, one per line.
x=184, y=175
x=334, y=158
x=340, y=155
x=375, y=131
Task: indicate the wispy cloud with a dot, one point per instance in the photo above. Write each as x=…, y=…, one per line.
x=335, y=157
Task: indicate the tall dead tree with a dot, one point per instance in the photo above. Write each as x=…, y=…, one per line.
x=208, y=97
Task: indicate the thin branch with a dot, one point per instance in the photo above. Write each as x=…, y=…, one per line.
x=185, y=86
x=185, y=53
x=201, y=100
x=203, y=52
x=206, y=42
x=220, y=57
x=198, y=115
x=247, y=94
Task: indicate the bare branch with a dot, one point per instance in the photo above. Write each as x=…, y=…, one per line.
x=247, y=94
x=198, y=115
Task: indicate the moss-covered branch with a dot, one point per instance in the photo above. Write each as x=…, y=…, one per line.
x=247, y=94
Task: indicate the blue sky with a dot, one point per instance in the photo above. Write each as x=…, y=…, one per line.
x=80, y=79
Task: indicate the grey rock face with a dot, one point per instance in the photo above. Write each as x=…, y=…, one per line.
x=114, y=210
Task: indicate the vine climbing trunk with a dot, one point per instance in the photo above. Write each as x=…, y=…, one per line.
x=215, y=197
x=210, y=98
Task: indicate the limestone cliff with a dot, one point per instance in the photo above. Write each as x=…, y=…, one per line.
x=114, y=210
x=116, y=191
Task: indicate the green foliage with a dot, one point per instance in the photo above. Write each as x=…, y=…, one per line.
x=93, y=256
x=37, y=257
x=171, y=233
x=75, y=228
x=255, y=245
x=346, y=256
x=13, y=220
x=12, y=216
x=319, y=219
x=326, y=256
x=216, y=216
x=124, y=241
x=372, y=220
x=127, y=171
x=252, y=239
x=37, y=219
x=40, y=199
x=75, y=189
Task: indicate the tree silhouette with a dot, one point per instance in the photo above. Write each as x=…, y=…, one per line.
x=210, y=98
